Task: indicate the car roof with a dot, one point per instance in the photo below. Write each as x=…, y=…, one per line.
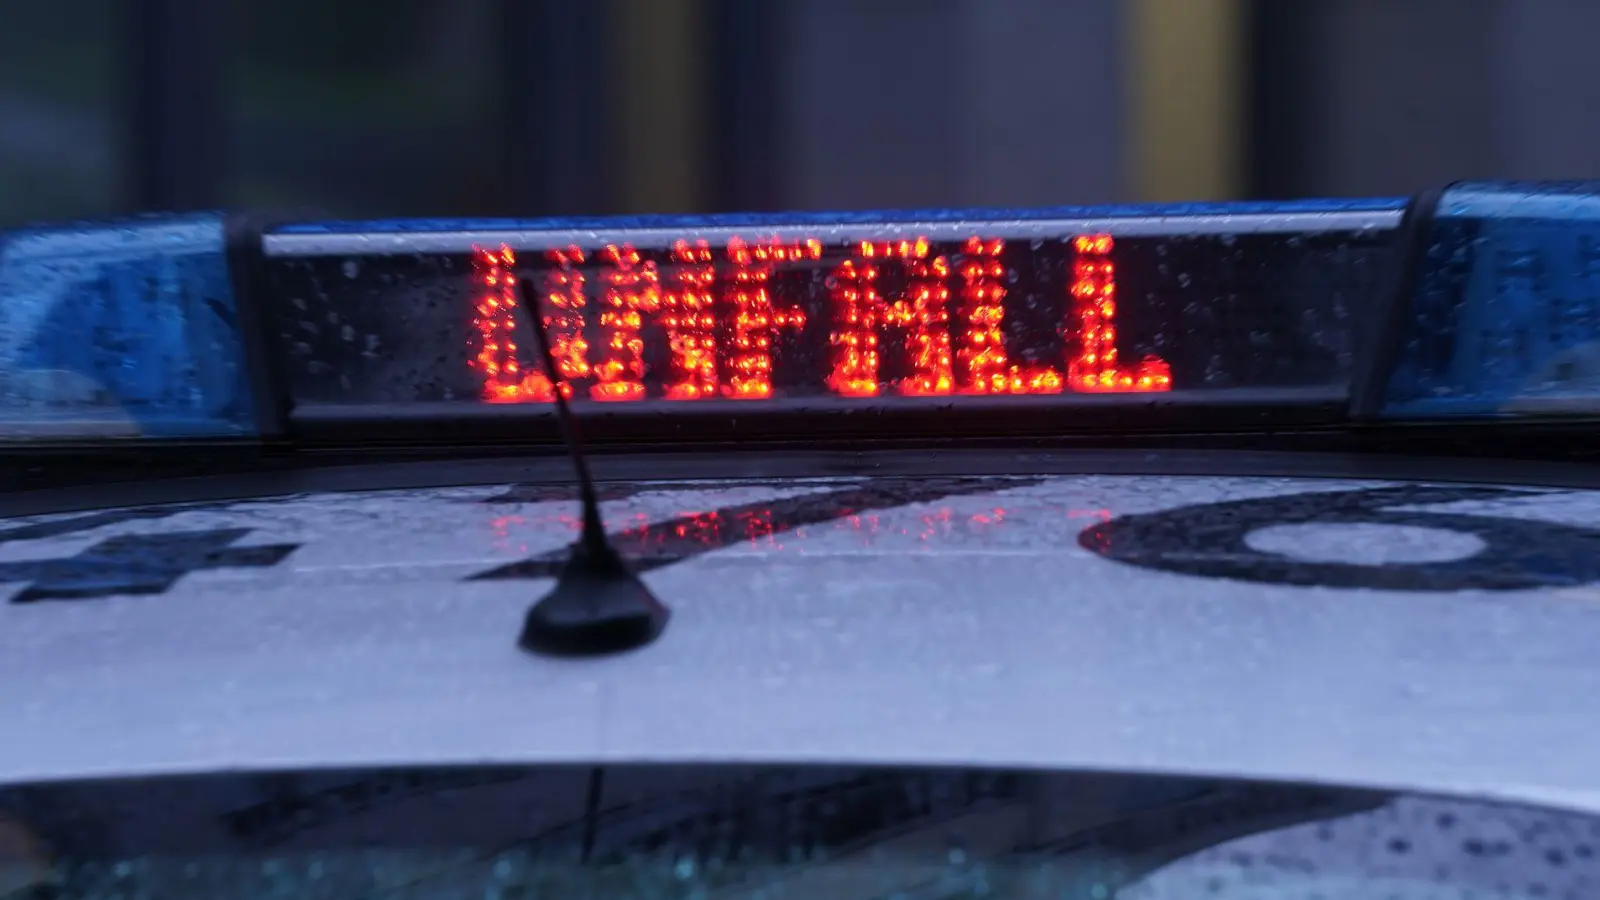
x=1054, y=621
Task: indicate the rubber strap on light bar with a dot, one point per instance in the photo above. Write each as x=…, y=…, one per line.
x=252, y=297
x=1383, y=340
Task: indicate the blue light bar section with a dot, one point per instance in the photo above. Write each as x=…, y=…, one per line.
x=120, y=330
x=1505, y=317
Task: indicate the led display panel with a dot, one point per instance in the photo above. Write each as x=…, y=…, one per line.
x=872, y=308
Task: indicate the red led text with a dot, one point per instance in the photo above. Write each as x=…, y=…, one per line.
x=721, y=321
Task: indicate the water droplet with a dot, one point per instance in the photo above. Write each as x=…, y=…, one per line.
x=351, y=268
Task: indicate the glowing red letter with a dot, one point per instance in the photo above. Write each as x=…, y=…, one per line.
x=982, y=314
x=755, y=320
x=631, y=289
x=691, y=323
x=1094, y=295
x=504, y=379
x=496, y=324
x=855, y=321
x=859, y=310
x=564, y=293
x=983, y=349
x=925, y=313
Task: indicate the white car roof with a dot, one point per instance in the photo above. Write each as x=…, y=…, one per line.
x=951, y=622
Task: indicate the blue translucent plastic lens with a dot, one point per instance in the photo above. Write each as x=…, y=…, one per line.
x=120, y=330
x=1505, y=314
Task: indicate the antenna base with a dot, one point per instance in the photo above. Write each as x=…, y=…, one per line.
x=599, y=606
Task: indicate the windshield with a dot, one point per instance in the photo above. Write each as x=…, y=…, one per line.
x=708, y=831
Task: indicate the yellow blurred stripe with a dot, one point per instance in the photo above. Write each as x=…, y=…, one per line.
x=1187, y=117
x=659, y=111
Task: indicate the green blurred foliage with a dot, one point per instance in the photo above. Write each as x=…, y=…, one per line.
x=361, y=107
x=400, y=95
x=57, y=158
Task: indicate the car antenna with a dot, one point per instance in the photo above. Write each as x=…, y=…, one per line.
x=599, y=605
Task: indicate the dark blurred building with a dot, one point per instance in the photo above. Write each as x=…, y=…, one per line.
x=439, y=107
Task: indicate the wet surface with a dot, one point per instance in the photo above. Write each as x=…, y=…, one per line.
x=925, y=624
x=765, y=523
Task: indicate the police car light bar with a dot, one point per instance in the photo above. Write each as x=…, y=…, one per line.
x=738, y=327
x=1498, y=310
x=166, y=328
x=121, y=330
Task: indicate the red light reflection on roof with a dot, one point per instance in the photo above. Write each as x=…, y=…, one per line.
x=702, y=530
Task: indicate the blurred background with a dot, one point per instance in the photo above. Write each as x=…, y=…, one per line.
x=529, y=107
